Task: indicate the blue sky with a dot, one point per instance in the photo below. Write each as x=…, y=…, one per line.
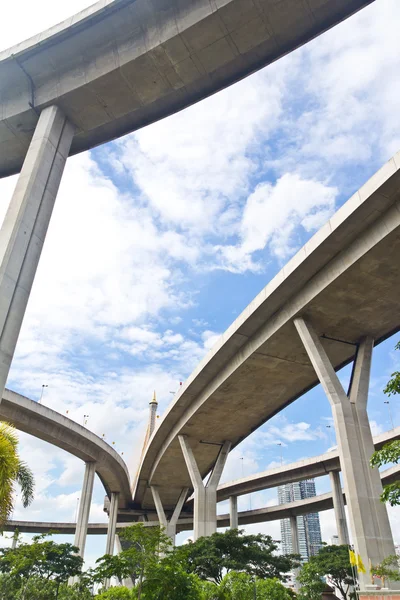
x=159, y=240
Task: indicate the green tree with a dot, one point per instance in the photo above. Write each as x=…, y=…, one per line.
x=42, y=564
x=242, y=586
x=147, y=546
x=168, y=579
x=311, y=581
x=390, y=453
x=211, y=557
x=332, y=562
x=12, y=471
x=116, y=593
x=387, y=570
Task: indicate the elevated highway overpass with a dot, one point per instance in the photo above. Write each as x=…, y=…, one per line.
x=52, y=427
x=346, y=279
x=120, y=65
x=261, y=515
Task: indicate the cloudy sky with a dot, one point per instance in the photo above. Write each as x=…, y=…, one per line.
x=158, y=241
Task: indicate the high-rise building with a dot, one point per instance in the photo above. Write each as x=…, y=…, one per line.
x=308, y=526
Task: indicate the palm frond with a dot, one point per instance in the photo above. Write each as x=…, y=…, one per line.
x=27, y=483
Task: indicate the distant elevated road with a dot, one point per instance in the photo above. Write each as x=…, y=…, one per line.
x=48, y=425
x=260, y=515
x=308, y=468
x=120, y=65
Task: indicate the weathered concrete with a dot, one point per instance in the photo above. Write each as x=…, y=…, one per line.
x=338, y=505
x=127, y=582
x=84, y=508
x=233, y=512
x=117, y=66
x=370, y=526
x=346, y=279
x=25, y=225
x=295, y=546
x=205, y=496
x=48, y=425
x=169, y=525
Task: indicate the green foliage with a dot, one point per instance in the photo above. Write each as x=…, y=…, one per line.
x=169, y=580
x=37, y=570
x=210, y=557
x=242, y=586
x=388, y=569
x=312, y=584
x=12, y=471
x=390, y=453
x=210, y=591
x=116, y=593
x=332, y=561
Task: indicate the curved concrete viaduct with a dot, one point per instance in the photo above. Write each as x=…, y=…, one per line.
x=260, y=515
x=49, y=426
x=308, y=468
x=120, y=65
x=346, y=280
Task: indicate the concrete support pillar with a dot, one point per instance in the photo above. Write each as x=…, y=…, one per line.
x=368, y=517
x=169, y=526
x=14, y=540
x=338, y=506
x=84, y=508
x=295, y=546
x=128, y=581
x=112, y=523
x=112, y=528
x=25, y=225
x=205, y=496
x=233, y=512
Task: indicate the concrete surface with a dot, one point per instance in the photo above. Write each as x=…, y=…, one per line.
x=185, y=523
x=25, y=225
x=369, y=521
x=48, y=425
x=308, y=468
x=85, y=504
x=118, y=66
x=346, y=279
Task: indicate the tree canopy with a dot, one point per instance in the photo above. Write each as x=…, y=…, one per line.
x=332, y=562
x=211, y=557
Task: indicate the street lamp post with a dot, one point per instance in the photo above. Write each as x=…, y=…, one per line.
x=280, y=444
x=329, y=428
x=390, y=412
x=41, y=395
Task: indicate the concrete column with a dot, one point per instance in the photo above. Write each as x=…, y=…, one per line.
x=111, y=530
x=295, y=546
x=233, y=512
x=371, y=532
x=169, y=526
x=84, y=508
x=112, y=523
x=205, y=496
x=14, y=540
x=25, y=225
x=358, y=394
x=128, y=581
x=338, y=506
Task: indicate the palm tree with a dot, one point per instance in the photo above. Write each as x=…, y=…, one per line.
x=12, y=471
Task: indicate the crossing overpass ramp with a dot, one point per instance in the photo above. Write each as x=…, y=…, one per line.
x=345, y=280
x=120, y=65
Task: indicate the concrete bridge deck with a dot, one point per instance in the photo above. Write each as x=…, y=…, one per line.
x=120, y=65
x=345, y=280
x=50, y=426
x=261, y=515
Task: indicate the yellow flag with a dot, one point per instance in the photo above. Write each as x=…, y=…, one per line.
x=360, y=564
x=353, y=559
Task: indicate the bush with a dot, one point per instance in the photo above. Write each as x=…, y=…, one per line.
x=116, y=593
